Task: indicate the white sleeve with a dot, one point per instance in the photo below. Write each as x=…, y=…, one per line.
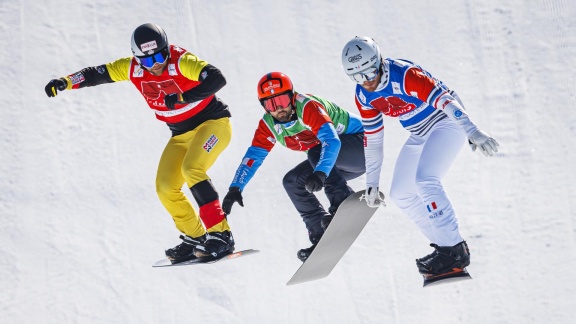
x=373, y=148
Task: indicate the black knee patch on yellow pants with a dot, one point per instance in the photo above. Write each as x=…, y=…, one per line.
x=204, y=192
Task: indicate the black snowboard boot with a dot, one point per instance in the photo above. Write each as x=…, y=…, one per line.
x=428, y=257
x=186, y=250
x=303, y=254
x=217, y=245
x=445, y=259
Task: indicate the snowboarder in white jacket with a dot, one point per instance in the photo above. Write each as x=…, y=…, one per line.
x=439, y=126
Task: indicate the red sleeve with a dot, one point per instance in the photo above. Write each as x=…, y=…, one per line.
x=263, y=137
x=418, y=84
x=314, y=115
x=367, y=112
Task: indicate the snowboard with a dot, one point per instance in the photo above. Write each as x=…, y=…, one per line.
x=349, y=221
x=207, y=260
x=430, y=280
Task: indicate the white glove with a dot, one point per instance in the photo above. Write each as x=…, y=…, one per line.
x=488, y=145
x=374, y=198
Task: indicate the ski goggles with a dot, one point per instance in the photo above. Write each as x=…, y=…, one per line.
x=280, y=101
x=367, y=75
x=149, y=61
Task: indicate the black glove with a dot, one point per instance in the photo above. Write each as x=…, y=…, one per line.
x=315, y=181
x=233, y=195
x=172, y=99
x=54, y=86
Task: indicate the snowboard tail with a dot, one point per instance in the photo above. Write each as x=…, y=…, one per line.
x=451, y=276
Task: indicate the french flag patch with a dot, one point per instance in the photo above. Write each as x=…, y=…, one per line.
x=248, y=162
x=431, y=207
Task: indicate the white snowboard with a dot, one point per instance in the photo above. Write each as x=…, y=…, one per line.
x=349, y=221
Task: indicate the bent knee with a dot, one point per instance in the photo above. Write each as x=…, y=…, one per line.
x=427, y=185
x=293, y=178
x=192, y=175
x=289, y=180
x=402, y=198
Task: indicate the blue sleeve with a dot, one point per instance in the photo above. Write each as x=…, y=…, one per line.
x=252, y=160
x=330, y=148
x=354, y=124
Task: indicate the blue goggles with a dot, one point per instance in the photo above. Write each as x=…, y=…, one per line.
x=149, y=61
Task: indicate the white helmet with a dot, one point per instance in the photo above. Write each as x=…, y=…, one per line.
x=359, y=54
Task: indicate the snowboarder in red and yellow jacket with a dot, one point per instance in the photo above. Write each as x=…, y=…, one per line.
x=180, y=88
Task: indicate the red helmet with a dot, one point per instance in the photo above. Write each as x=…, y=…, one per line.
x=274, y=91
x=273, y=84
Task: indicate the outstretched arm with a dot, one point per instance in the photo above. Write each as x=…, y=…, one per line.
x=476, y=138
x=431, y=91
x=91, y=76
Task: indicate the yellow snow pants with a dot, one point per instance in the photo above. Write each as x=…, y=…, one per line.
x=186, y=159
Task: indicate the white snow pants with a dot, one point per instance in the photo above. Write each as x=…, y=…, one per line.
x=416, y=184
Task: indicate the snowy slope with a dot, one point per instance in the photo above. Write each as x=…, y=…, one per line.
x=80, y=223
